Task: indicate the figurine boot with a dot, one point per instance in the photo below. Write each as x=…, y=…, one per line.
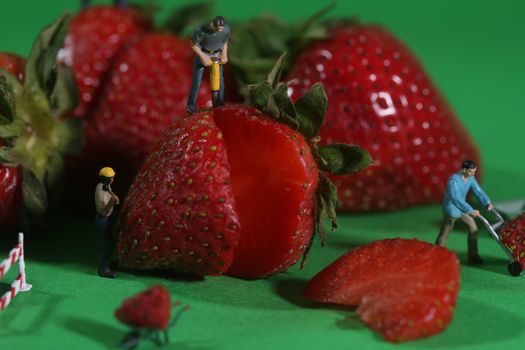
x=473, y=256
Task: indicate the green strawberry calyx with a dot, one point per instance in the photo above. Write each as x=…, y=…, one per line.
x=35, y=134
x=306, y=116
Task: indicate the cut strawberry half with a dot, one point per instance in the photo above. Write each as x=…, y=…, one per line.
x=404, y=289
x=274, y=178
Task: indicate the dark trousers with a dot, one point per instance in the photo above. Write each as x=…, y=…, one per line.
x=106, y=242
x=196, y=80
x=448, y=224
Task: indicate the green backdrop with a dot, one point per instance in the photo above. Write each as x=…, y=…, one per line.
x=474, y=51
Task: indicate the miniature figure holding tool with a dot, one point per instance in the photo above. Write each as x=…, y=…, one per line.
x=210, y=44
x=455, y=206
x=105, y=200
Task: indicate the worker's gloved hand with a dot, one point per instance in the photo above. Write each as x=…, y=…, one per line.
x=490, y=207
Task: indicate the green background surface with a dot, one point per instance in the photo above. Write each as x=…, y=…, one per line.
x=474, y=51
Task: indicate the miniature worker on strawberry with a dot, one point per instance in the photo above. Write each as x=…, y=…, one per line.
x=208, y=42
x=455, y=206
x=105, y=200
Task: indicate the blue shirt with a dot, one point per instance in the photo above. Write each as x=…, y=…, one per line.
x=455, y=202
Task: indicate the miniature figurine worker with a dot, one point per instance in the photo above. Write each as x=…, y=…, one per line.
x=209, y=42
x=105, y=199
x=455, y=206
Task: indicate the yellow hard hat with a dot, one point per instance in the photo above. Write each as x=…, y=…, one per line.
x=106, y=172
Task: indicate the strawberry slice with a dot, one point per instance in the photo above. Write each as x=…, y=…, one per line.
x=404, y=289
x=147, y=309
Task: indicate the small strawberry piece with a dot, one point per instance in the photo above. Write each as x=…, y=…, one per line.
x=12, y=63
x=382, y=99
x=513, y=236
x=96, y=35
x=404, y=289
x=148, y=309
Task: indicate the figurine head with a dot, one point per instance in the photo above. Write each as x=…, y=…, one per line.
x=105, y=177
x=468, y=168
x=217, y=23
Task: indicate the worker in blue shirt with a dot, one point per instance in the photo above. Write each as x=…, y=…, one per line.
x=455, y=206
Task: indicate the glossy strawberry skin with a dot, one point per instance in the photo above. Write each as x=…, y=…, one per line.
x=513, y=236
x=404, y=289
x=240, y=189
x=96, y=35
x=148, y=309
x=382, y=100
x=180, y=211
x=145, y=92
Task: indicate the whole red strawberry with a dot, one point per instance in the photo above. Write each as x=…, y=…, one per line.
x=233, y=191
x=96, y=35
x=148, y=309
x=382, y=100
x=404, y=289
x=513, y=236
x=33, y=95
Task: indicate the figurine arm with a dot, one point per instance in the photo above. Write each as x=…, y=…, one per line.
x=480, y=195
x=457, y=199
x=205, y=60
x=224, y=54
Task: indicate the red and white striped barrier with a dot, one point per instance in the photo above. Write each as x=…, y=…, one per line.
x=19, y=284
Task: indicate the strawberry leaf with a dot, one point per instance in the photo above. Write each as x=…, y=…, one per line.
x=328, y=194
x=311, y=109
x=41, y=65
x=343, y=159
x=274, y=77
x=5, y=156
x=261, y=97
x=7, y=102
x=64, y=97
x=283, y=100
x=34, y=193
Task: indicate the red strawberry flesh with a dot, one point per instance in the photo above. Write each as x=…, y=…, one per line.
x=273, y=178
x=405, y=289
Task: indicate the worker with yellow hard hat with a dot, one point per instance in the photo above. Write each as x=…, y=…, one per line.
x=105, y=200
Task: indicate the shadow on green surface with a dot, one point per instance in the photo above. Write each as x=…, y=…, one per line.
x=491, y=264
x=34, y=310
x=107, y=336
x=4, y=287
